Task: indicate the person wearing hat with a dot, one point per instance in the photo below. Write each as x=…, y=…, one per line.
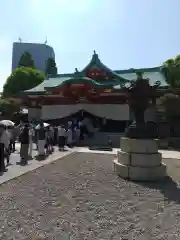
x=4, y=144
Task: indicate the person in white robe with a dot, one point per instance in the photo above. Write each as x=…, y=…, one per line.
x=41, y=136
x=31, y=136
x=61, y=137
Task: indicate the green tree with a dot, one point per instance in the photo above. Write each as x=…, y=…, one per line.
x=51, y=68
x=9, y=106
x=21, y=79
x=171, y=70
x=170, y=103
x=26, y=60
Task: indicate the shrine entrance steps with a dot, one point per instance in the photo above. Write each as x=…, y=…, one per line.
x=100, y=139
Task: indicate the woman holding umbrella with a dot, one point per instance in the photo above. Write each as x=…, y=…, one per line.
x=9, y=125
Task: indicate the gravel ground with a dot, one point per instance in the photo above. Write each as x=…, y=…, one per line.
x=80, y=197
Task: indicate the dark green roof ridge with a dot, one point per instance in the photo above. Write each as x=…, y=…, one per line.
x=81, y=80
x=130, y=70
x=63, y=75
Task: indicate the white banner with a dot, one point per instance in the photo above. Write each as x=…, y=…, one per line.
x=109, y=111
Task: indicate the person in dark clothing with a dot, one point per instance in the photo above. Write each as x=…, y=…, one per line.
x=24, y=140
x=4, y=144
x=7, y=151
x=49, y=144
x=56, y=135
x=13, y=140
x=2, y=163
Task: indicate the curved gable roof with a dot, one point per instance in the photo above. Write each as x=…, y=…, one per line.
x=95, y=61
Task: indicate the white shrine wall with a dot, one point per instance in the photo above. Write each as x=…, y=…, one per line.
x=109, y=111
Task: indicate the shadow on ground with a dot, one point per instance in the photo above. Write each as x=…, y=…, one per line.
x=41, y=157
x=167, y=186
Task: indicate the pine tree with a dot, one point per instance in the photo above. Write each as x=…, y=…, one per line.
x=51, y=68
x=26, y=60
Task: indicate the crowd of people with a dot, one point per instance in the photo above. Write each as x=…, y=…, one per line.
x=45, y=136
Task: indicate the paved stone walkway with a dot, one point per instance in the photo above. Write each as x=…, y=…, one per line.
x=16, y=170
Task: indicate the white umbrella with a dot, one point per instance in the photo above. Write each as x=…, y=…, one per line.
x=45, y=125
x=24, y=111
x=7, y=123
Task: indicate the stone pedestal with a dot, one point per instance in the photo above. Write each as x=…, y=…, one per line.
x=139, y=160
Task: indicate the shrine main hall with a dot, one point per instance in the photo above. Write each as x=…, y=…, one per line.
x=96, y=90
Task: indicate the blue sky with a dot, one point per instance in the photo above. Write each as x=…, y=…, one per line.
x=125, y=33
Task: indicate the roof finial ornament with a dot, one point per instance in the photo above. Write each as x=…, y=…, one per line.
x=95, y=57
x=76, y=73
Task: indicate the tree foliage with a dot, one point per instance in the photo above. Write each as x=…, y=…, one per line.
x=21, y=79
x=171, y=105
x=171, y=70
x=9, y=106
x=26, y=60
x=51, y=68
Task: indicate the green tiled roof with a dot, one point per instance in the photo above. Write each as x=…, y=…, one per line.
x=58, y=81
x=51, y=82
x=152, y=76
x=82, y=80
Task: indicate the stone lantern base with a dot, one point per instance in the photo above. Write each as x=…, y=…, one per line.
x=139, y=160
